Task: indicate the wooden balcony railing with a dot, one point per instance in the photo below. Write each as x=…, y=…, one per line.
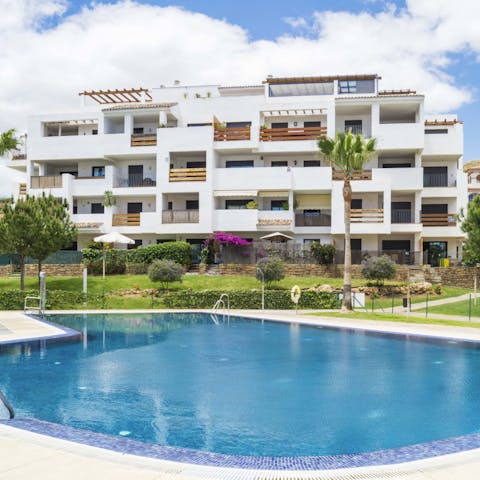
x=438, y=219
x=46, y=181
x=187, y=175
x=180, y=216
x=22, y=189
x=356, y=175
x=143, y=139
x=287, y=134
x=19, y=156
x=366, y=215
x=224, y=134
x=126, y=220
x=322, y=220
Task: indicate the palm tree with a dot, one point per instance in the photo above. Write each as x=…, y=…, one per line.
x=347, y=153
x=8, y=142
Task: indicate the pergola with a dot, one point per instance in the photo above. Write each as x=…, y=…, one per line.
x=126, y=95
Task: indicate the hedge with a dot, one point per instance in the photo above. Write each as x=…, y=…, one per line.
x=179, y=252
x=249, y=299
x=56, y=299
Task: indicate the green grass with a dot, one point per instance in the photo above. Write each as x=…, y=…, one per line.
x=457, y=308
x=388, y=317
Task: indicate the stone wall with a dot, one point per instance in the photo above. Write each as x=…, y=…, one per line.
x=5, y=270
x=458, y=276
x=306, y=270
x=56, y=270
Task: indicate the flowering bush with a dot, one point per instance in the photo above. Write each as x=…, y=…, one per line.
x=227, y=239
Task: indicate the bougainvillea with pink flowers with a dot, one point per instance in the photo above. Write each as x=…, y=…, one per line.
x=227, y=239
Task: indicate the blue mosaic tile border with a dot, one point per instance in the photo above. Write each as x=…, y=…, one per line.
x=198, y=457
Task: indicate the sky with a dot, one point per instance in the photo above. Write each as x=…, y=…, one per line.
x=53, y=49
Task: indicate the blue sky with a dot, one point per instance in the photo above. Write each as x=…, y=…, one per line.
x=432, y=46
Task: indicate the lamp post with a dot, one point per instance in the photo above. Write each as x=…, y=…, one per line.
x=259, y=270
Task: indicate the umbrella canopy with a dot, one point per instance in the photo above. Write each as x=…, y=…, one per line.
x=277, y=236
x=113, y=237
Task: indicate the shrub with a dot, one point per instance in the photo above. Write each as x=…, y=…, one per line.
x=115, y=260
x=378, y=269
x=165, y=271
x=249, y=299
x=272, y=268
x=323, y=254
x=179, y=252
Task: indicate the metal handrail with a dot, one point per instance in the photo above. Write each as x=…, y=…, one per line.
x=221, y=303
x=8, y=405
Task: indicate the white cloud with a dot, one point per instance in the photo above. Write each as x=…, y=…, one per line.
x=127, y=44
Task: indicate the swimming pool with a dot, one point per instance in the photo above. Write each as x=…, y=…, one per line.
x=246, y=387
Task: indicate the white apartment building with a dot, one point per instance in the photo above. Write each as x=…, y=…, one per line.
x=184, y=161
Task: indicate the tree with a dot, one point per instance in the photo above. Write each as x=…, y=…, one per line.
x=8, y=142
x=56, y=230
x=165, y=271
x=379, y=269
x=471, y=226
x=347, y=153
x=270, y=270
x=35, y=227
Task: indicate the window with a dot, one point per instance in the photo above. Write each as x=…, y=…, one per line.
x=436, y=131
x=207, y=124
x=238, y=124
x=239, y=164
x=280, y=125
x=138, y=243
x=311, y=163
x=356, y=243
x=435, y=176
x=137, y=130
x=279, y=163
x=354, y=125
x=277, y=204
x=356, y=203
x=397, y=165
x=402, y=245
x=435, y=208
x=94, y=131
x=170, y=206
x=134, y=207
x=191, y=204
x=98, y=171
x=311, y=213
x=97, y=208
x=347, y=86
x=236, y=204
x=197, y=164
x=312, y=124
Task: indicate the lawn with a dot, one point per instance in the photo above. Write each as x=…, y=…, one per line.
x=118, y=283
x=388, y=317
x=458, y=308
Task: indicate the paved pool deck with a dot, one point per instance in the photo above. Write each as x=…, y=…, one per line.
x=24, y=454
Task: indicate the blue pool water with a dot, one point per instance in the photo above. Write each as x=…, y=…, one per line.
x=247, y=387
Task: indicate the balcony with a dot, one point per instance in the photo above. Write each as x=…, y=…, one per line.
x=288, y=134
x=437, y=180
x=136, y=180
x=355, y=175
x=46, y=181
x=366, y=215
x=438, y=219
x=187, y=175
x=126, y=220
x=22, y=189
x=226, y=134
x=143, y=140
x=401, y=216
x=322, y=220
x=274, y=218
x=180, y=216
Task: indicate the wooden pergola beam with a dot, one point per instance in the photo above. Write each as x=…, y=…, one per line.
x=126, y=95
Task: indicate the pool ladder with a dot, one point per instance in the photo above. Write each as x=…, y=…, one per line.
x=7, y=404
x=223, y=303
